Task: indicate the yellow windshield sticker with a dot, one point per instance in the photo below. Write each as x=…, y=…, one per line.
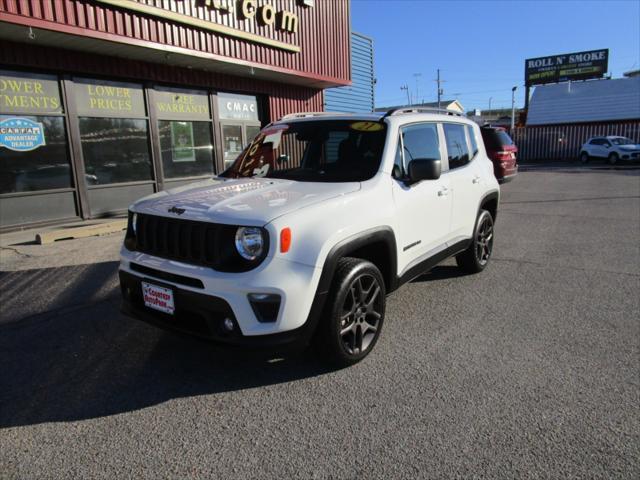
x=367, y=126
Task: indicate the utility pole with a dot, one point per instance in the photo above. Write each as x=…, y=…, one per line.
x=513, y=108
x=439, y=89
x=490, y=98
x=406, y=88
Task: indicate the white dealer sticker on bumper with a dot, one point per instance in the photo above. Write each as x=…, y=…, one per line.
x=159, y=298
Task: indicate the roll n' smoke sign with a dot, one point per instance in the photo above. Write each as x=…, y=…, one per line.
x=565, y=67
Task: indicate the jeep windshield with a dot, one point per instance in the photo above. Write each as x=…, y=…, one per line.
x=313, y=151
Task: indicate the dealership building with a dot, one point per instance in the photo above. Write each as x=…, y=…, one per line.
x=105, y=101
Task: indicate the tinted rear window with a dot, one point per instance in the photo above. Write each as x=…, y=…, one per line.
x=495, y=139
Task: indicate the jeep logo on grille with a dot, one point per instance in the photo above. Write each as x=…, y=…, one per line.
x=176, y=210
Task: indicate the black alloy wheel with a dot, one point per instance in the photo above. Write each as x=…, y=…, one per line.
x=484, y=239
x=361, y=314
x=354, y=314
x=477, y=255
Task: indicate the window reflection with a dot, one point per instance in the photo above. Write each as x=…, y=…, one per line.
x=47, y=167
x=232, y=141
x=187, y=149
x=115, y=150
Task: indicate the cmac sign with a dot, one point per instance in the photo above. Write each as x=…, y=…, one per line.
x=569, y=66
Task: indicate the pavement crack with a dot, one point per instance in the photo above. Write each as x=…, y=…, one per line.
x=15, y=250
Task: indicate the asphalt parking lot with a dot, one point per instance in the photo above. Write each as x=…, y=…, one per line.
x=528, y=370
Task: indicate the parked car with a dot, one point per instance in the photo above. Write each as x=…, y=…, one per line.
x=612, y=148
x=316, y=221
x=502, y=152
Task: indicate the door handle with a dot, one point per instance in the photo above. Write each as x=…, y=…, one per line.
x=443, y=192
x=476, y=179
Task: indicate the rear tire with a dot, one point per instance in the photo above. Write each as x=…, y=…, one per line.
x=613, y=159
x=584, y=157
x=354, y=313
x=476, y=257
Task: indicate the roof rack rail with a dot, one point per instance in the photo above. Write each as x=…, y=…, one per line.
x=401, y=110
x=311, y=114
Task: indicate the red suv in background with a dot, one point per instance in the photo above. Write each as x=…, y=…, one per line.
x=502, y=152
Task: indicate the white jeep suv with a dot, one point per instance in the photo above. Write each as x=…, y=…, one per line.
x=315, y=223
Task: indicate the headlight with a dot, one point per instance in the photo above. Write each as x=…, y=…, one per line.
x=134, y=223
x=249, y=242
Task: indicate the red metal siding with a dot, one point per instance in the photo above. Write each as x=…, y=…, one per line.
x=282, y=99
x=323, y=31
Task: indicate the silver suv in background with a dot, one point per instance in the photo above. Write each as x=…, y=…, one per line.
x=612, y=148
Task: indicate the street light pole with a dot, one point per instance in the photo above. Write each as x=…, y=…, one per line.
x=513, y=108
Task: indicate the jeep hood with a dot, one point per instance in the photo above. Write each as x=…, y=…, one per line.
x=245, y=201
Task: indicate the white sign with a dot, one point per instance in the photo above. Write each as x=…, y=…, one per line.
x=237, y=107
x=158, y=298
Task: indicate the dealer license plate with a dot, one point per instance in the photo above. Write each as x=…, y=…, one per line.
x=158, y=298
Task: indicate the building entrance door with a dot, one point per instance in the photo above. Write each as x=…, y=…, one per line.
x=239, y=123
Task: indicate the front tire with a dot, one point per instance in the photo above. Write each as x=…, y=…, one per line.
x=476, y=257
x=584, y=157
x=613, y=159
x=354, y=313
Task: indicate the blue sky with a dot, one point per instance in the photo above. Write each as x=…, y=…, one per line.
x=480, y=46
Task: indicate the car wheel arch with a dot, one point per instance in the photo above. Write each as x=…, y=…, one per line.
x=377, y=245
x=490, y=202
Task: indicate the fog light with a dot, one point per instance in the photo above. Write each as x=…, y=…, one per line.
x=227, y=323
x=265, y=306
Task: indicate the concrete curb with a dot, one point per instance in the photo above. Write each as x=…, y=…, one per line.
x=81, y=232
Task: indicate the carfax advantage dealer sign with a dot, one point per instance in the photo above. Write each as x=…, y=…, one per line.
x=570, y=66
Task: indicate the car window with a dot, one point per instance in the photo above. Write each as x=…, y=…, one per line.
x=472, y=139
x=420, y=142
x=605, y=142
x=622, y=141
x=594, y=141
x=457, y=148
x=495, y=138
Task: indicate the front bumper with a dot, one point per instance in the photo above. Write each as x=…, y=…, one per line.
x=209, y=294
x=202, y=315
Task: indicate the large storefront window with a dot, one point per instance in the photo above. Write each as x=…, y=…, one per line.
x=185, y=132
x=113, y=132
x=115, y=150
x=187, y=150
x=27, y=167
x=34, y=154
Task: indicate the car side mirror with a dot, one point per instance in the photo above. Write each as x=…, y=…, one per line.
x=424, y=169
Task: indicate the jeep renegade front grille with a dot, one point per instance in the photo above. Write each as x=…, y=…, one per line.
x=188, y=241
x=185, y=240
